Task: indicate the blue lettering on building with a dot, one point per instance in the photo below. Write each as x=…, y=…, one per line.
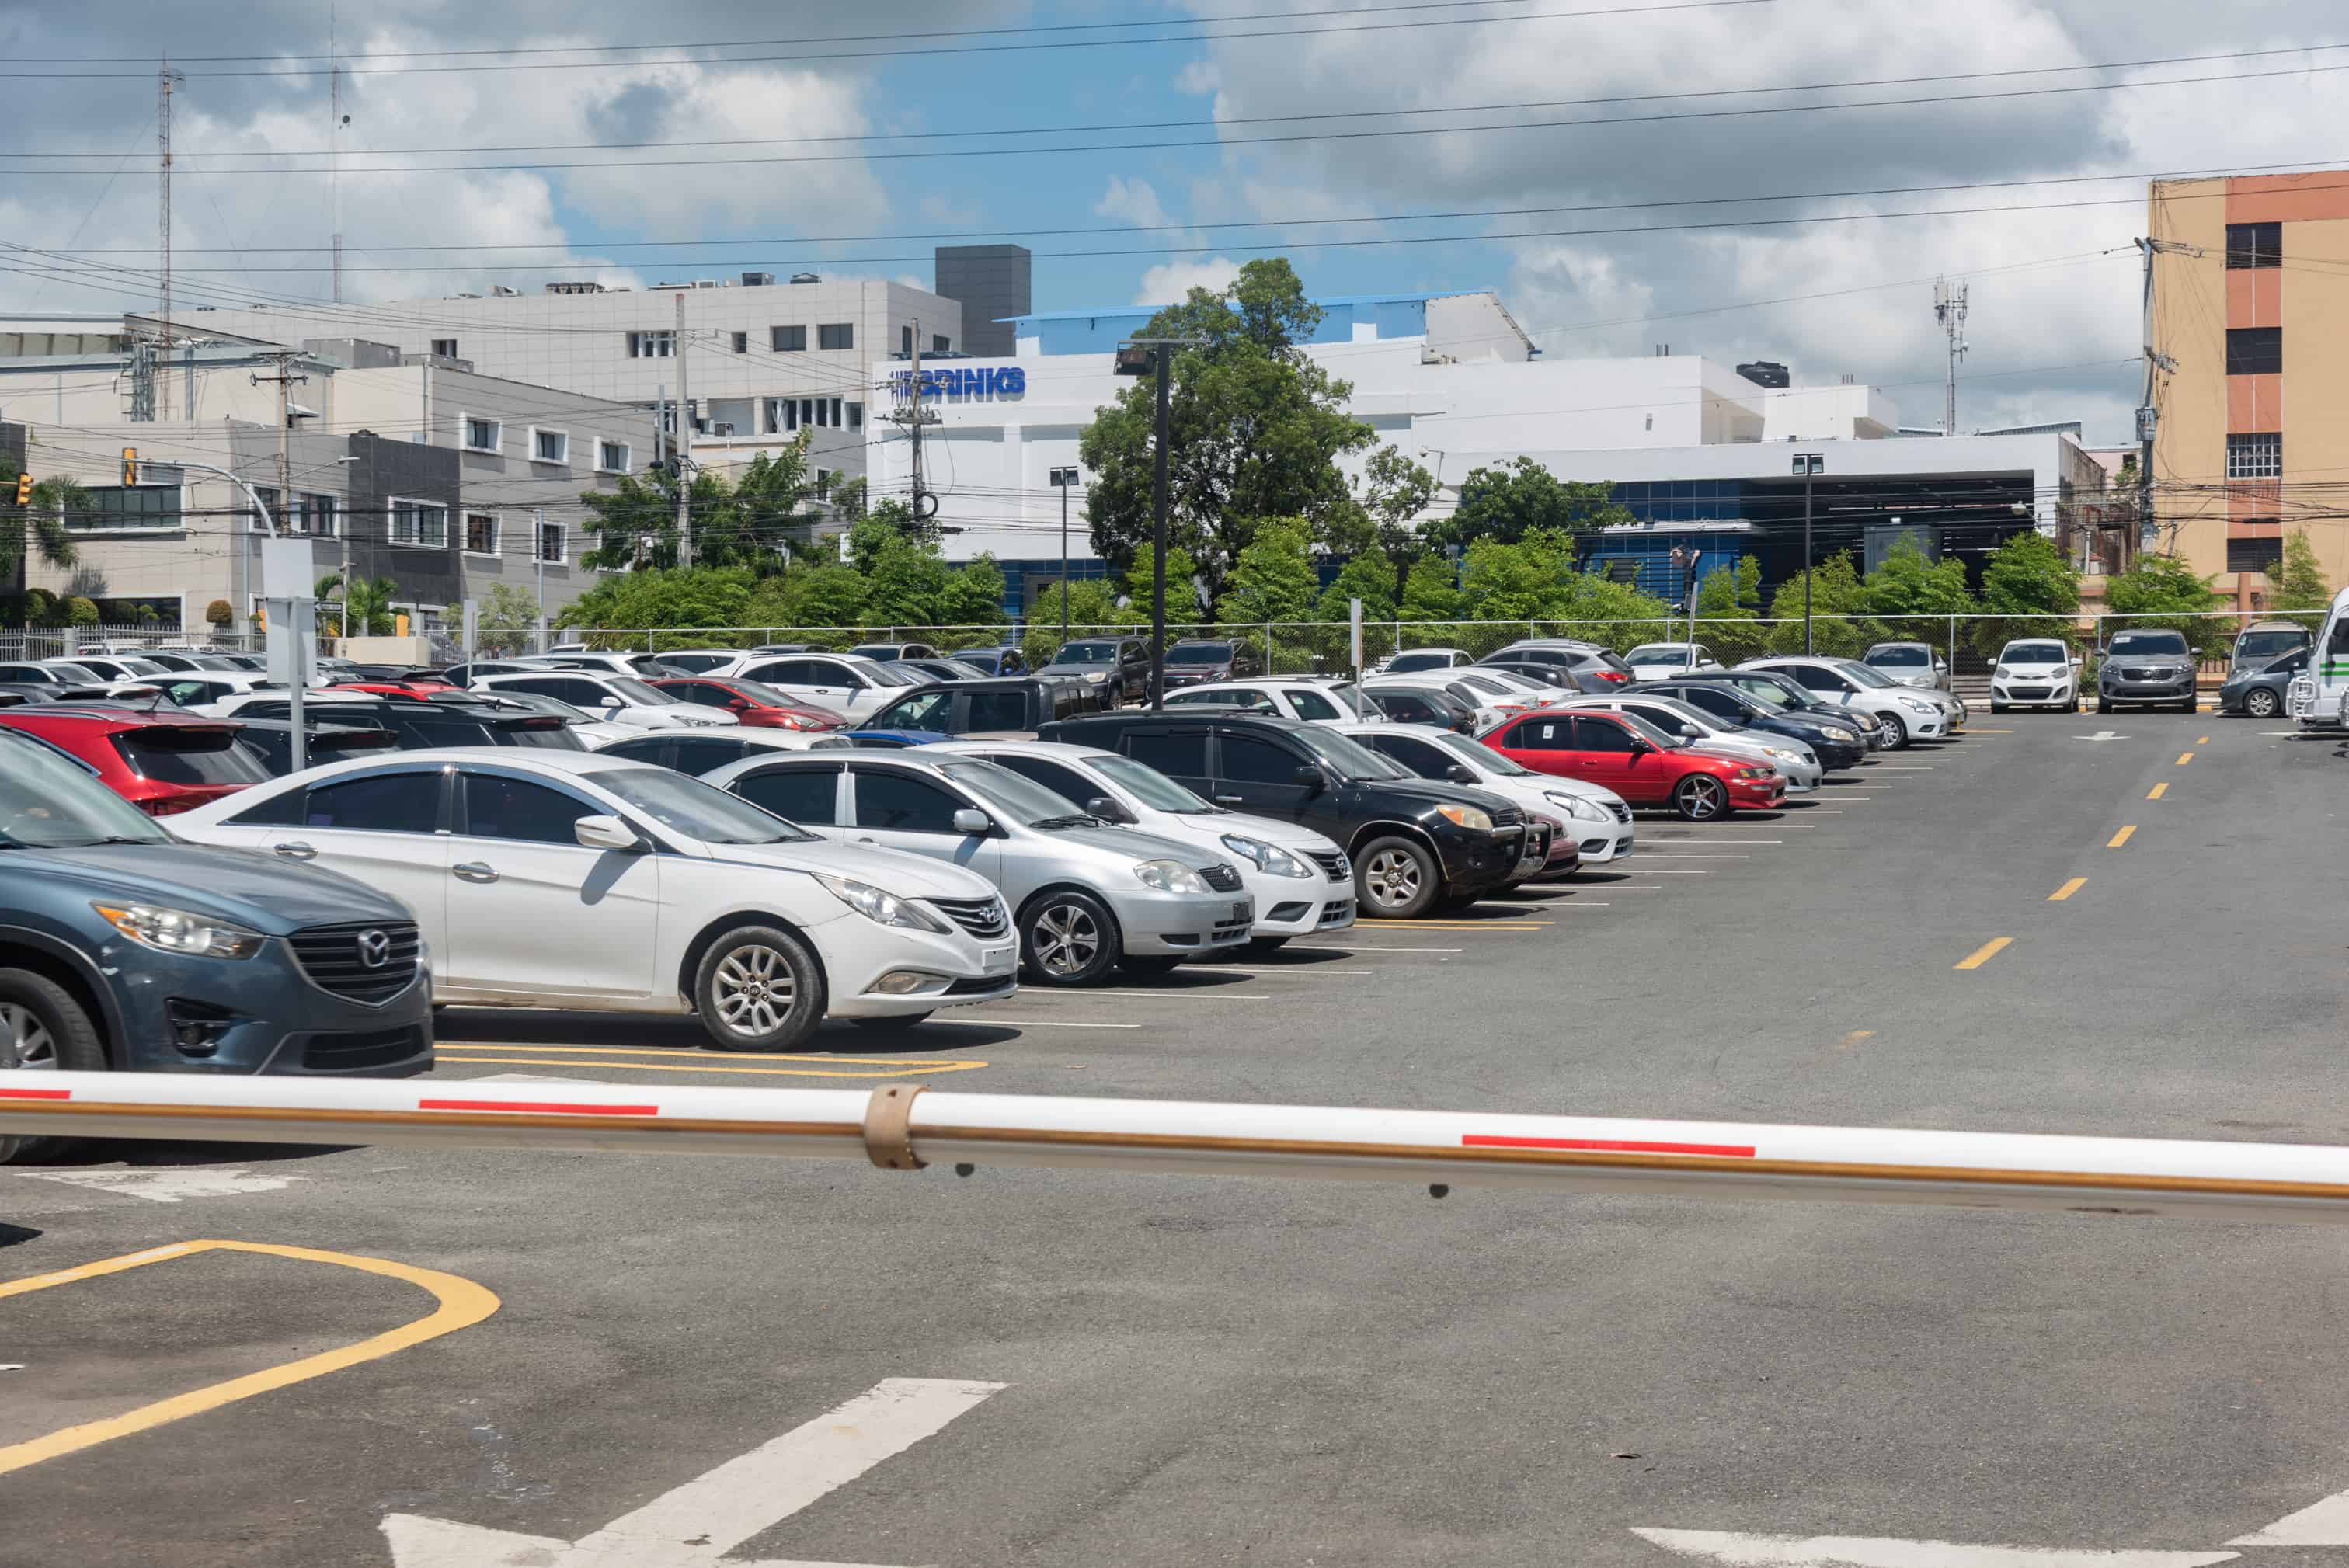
x=964, y=381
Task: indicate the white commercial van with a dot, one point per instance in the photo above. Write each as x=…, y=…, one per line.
x=2318, y=696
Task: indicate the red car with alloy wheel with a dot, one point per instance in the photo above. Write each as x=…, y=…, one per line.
x=756, y=704
x=1638, y=762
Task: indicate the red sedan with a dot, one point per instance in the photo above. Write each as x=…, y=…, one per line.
x=161, y=763
x=754, y=702
x=1636, y=762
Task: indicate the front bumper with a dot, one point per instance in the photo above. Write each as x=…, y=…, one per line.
x=1757, y=794
x=957, y=969
x=1937, y=725
x=2026, y=691
x=261, y=1015
x=2165, y=687
x=1478, y=859
x=1184, y=924
x=1299, y=906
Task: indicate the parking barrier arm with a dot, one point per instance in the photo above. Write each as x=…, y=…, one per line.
x=907, y=1127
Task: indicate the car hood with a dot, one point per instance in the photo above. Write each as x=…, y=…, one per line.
x=1134, y=843
x=269, y=894
x=1247, y=825
x=668, y=715
x=1073, y=671
x=892, y=871
x=1430, y=792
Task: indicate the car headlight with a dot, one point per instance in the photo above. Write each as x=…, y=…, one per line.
x=1577, y=807
x=177, y=931
x=1170, y=876
x=1780, y=754
x=1096, y=677
x=1753, y=773
x=883, y=908
x=1270, y=859
x=1841, y=737
x=1465, y=817
x=1918, y=704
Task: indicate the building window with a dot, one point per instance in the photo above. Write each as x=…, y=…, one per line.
x=445, y=347
x=2255, y=555
x=2255, y=456
x=2255, y=351
x=836, y=335
x=939, y=345
x=824, y=484
x=906, y=341
x=551, y=543
x=612, y=457
x=480, y=533
x=664, y=415
x=112, y=507
x=2254, y=245
x=787, y=339
x=483, y=435
x=856, y=416
x=312, y=515
x=419, y=522
x=652, y=345
x=550, y=446
x=741, y=343
x=277, y=514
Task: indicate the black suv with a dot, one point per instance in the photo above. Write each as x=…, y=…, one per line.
x=1117, y=669
x=421, y=723
x=1012, y=707
x=1416, y=844
x=1224, y=659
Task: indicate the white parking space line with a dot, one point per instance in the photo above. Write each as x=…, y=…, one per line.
x=1709, y=838
x=1681, y=872
x=1316, y=973
x=1045, y=1024
x=1178, y=994
x=1356, y=947
x=1676, y=857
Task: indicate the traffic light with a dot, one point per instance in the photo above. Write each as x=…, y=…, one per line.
x=24, y=490
x=130, y=467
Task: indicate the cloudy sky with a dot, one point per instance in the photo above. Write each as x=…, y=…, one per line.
x=1136, y=159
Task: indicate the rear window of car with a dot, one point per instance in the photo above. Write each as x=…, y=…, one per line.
x=175, y=756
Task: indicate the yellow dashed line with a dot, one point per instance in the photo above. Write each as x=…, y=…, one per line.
x=2201, y=740
x=2184, y=757
x=2157, y=791
x=2061, y=894
x=1848, y=1041
x=2117, y=840
x=1985, y=953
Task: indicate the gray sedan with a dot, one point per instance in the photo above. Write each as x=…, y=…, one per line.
x=1087, y=895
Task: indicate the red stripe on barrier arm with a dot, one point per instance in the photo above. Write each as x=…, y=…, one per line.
x=1604, y=1145
x=551, y=1107
x=36, y=1094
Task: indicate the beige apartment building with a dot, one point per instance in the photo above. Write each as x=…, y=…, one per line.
x=2252, y=441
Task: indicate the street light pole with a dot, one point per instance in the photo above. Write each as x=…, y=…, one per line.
x=1135, y=357
x=1807, y=464
x=1062, y=478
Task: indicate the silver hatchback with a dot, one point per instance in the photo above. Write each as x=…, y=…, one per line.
x=1087, y=896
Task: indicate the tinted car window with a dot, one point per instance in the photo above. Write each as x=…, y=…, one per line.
x=926, y=711
x=569, y=688
x=2127, y=642
x=1250, y=759
x=805, y=795
x=640, y=749
x=1597, y=735
x=702, y=692
x=998, y=710
x=1817, y=677
x=419, y=733
x=1410, y=708
x=1061, y=781
x=174, y=757
x=1542, y=735
x=1720, y=704
x=700, y=754
x=283, y=810
x=500, y=808
x=1177, y=753
x=900, y=803
x=1427, y=761
x=378, y=803
x=1309, y=704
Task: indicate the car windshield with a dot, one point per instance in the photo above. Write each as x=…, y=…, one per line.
x=1482, y=757
x=1688, y=713
x=1657, y=654
x=1352, y=698
x=2034, y=653
x=763, y=694
x=1025, y=800
x=1900, y=657
x=1862, y=675
x=927, y=711
x=1349, y=756
x=1148, y=785
x=1651, y=734
x=47, y=802
x=644, y=696
x=697, y=809
x=2142, y=642
x=1199, y=654
x=178, y=755
x=1087, y=654
x=1404, y=664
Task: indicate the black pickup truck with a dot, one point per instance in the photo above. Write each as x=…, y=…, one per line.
x=951, y=709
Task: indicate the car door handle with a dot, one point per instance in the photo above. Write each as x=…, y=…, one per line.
x=296, y=852
x=874, y=843
x=473, y=872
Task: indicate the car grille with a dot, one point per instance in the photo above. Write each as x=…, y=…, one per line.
x=1332, y=864
x=1337, y=909
x=1536, y=847
x=1223, y=878
x=1236, y=931
x=357, y=1052
x=982, y=917
x=1622, y=812
x=330, y=956
x=1507, y=817
x=2029, y=694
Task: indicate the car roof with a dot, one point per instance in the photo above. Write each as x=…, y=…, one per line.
x=1222, y=712
x=1899, y=643
x=1063, y=750
x=111, y=716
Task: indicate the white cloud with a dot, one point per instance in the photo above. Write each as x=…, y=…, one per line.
x=1132, y=202
x=1172, y=281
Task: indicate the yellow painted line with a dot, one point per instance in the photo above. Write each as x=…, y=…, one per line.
x=2159, y=790
x=2184, y=757
x=462, y=1304
x=1848, y=1041
x=1985, y=953
x=2117, y=840
x=559, y=1060
x=2201, y=740
x=1971, y=730
x=2061, y=894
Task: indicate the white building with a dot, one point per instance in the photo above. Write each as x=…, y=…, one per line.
x=1699, y=452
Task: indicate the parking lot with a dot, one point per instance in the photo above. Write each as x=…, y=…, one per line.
x=2057, y=923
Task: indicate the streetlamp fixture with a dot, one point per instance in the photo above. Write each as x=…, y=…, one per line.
x=1809, y=465
x=1065, y=480
x=1153, y=356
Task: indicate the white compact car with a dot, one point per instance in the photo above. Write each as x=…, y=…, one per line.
x=2034, y=672
x=1655, y=661
x=1287, y=696
x=842, y=683
x=617, y=699
x=1302, y=882
x=572, y=880
x=1598, y=818
x=1701, y=729
x=1906, y=713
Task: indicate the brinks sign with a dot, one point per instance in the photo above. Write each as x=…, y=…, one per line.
x=964, y=381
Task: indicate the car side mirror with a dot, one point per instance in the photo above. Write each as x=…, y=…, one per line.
x=2076, y=661
x=1108, y=811
x=1460, y=773
x=609, y=703
x=971, y=822
x=1310, y=778
x=738, y=703
x=1639, y=747
x=606, y=833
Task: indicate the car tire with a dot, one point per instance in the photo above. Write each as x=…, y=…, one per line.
x=2075, y=702
x=2104, y=704
x=1397, y=878
x=1263, y=946
x=43, y=1027
x=758, y=988
x=2260, y=702
x=902, y=1021
x=1068, y=937
x=2192, y=704
x=1897, y=728
x=1996, y=708
x=1701, y=798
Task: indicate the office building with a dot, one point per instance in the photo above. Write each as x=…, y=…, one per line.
x=991, y=282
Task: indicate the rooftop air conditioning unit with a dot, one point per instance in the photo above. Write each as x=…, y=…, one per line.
x=757, y=280
x=705, y=283
x=805, y=278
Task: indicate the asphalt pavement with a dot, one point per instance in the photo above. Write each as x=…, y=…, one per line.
x=2058, y=923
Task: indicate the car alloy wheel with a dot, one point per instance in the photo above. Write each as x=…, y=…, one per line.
x=43, y=1028
x=1700, y=798
x=25, y=1040
x=1070, y=938
x=1392, y=878
x=759, y=989
x=2261, y=703
x=1895, y=730
x=1066, y=939
x=754, y=990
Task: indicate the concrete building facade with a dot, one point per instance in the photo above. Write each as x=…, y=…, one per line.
x=2252, y=437
x=993, y=283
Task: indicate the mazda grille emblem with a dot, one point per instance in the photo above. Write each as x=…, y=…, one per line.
x=375, y=949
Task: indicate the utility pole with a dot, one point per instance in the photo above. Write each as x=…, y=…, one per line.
x=163, y=214
x=1155, y=356
x=335, y=120
x=1063, y=480
x=1809, y=465
x=1949, y=310
x=286, y=380
x=684, y=443
x=2147, y=419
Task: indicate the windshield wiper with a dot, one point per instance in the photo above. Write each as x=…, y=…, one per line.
x=1081, y=820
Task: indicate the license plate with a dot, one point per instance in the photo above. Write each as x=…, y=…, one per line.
x=999, y=960
x=1244, y=910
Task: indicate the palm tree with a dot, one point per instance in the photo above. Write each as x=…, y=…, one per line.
x=42, y=526
x=367, y=606
x=325, y=591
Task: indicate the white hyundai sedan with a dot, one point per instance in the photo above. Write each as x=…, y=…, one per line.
x=565, y=880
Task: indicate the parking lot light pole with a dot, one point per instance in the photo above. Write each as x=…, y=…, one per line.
x=1807, y=464
x=1062, y=478
x=1137, y=356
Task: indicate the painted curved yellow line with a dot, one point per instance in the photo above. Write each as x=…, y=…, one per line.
x=462, y=1304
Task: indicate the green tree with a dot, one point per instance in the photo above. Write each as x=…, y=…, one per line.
x=1836, y=591
x=680, y=597
x=1521, y=497
x=828, y=594
x=1595, y=608
x=1369, y=577
x=2027, y=576
x=218, y=613
x=1182, y=585
x=1093, y=604
x=1255, y=430
x=2163, y=590
x=81, y=612
x=504, y=620
x=634, y=524
x=1431, y=591
x=1395, y=490
x=2301, y=582
x=973, y=594
x=1273, y=579
x=1506, y=581
x=42, y=526
x=744, y=523
x=1905, y=583
x=367, y=606
x=1731, y=594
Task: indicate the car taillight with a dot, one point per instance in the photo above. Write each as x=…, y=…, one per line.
x=1618, y=676
x=167, y=807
